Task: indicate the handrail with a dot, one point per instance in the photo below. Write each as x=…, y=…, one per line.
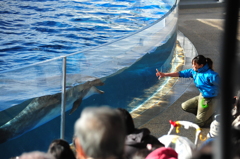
x=63, y=101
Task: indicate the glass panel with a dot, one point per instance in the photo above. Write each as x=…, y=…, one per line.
x=126, y=67
x=118, y=74
x=30, y=98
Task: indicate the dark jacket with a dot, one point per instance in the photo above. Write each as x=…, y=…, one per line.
x=138, y=140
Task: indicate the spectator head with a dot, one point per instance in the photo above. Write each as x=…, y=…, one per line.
x=36, y=155
x=100, y=133
x=127, y=118
x=60, y=149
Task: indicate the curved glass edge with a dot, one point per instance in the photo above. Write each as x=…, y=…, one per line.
x=43, y=81
x=133, y=47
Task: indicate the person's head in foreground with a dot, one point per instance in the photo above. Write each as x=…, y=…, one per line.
x=100, y=133
x=60, y=149
x=36, y=155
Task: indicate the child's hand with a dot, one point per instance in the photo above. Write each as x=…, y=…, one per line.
x=159, y=74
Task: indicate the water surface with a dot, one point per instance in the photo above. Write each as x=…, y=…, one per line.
x=36, y=30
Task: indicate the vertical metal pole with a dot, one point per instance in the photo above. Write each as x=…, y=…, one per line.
x=223, y=148
x=63, y=102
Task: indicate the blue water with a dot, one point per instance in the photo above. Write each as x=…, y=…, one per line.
x=36, y=30
x=120, y=89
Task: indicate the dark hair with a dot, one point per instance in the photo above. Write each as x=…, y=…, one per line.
x=60, y=149
x=127, y=118
x=200, y=59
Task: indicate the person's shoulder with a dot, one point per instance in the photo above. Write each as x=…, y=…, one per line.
x=212, y=72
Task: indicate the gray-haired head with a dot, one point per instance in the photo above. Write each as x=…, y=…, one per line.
x=36, y=155
x=101, y=132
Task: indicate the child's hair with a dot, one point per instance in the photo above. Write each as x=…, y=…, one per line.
x=200, y=59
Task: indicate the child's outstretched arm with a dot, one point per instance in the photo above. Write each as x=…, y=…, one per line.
x=161, y=74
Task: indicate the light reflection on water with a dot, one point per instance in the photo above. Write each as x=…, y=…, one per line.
x=33, y=31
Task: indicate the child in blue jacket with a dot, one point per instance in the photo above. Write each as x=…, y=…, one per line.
x=207, y=82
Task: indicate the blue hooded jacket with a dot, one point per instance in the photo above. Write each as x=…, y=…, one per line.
x=205, y=79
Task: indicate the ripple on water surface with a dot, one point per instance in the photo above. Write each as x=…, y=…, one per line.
x=36, y=30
